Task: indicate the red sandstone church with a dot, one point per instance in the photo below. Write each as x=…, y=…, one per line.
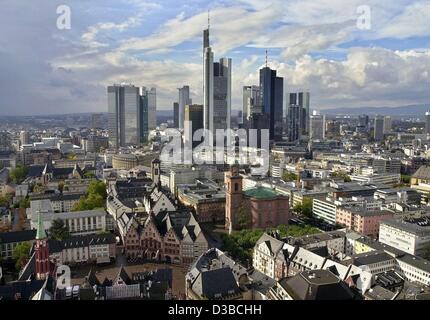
x=262, y=207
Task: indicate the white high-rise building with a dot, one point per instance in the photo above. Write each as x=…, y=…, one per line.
x=252, y=102
x=183, y=100
x=24, y=137
x=379, y=128
x=317, y=126
x=427, y=129
x=388, y=123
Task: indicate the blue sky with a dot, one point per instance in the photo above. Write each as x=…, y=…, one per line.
x=314, y=44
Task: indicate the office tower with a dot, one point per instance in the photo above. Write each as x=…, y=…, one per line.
x=317, y=126
x=208, y=87
x=151, y=95
x=293, y=122
x=193, y=118
x=127, y=112
x=175, y=114
x=222, y=94
x=97, y=121
x=388, y=123
x=379, y=128
x=303, y=102
x=363, y=120
x=183, y=100
x=273, y=95
x=302, y=99
x=24, y=137
x=216, y=89
x=252, y=102
x=427, y=128
x=143, y=117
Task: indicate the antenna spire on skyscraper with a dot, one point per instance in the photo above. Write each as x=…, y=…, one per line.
x=266, y=58
x=209, y=18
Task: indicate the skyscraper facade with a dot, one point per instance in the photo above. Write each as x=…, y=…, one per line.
x=183, y=100
x=176, y=114
x=363, y=121
x=317, y=126
x=151, y=95
x=304, y=101
x=222, y=94
x=252, y=102
x=301, y=99
x=388, y=124
x=194, y=118
x=293, y=122
x=427, y=127
x=126, y=120
x=216, y=89
x=379, y=128
x=24, y=137
x=273, y=95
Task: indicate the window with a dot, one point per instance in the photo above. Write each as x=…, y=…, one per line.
x=236, y=187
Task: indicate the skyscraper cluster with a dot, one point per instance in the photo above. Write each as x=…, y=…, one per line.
x=132, y=113
x=263, y=104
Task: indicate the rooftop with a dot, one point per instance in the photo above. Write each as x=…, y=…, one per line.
x=262, y=193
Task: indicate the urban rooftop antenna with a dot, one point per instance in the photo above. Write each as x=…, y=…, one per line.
x=266, y=58
x=209, y=18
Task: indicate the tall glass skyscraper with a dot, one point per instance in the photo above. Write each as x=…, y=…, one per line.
x=127, y=121
x=151, y=94
x=273, y=101
x=183, y=100
x=216, y=89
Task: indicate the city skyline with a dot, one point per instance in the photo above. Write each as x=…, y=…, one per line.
x=159, y=45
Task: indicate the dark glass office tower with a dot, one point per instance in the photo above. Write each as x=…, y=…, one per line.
x=143, y=119
x=273, y=93
x=176, y=115
x=194, y=114
x=128, y=115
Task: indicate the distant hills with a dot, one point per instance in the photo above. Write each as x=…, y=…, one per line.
x=402, y=111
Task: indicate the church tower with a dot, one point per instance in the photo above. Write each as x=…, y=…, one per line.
x=233, y=182
x=155, y=171
x=43, y=268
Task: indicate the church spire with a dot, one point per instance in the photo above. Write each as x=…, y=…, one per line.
x=40, y=234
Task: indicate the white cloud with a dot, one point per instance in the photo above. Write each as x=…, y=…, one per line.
x=414, y=21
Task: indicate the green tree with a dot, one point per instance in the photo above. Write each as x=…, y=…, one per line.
x=341, y=174
x=24, y=203
x=21, y=254
x=19, y=173
x=61, y=186
x=95, y=197
x=406, y=179
x=89, y=175
x=4, y=202
x=289, y=176
x=307, y=207
x=58, y=230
